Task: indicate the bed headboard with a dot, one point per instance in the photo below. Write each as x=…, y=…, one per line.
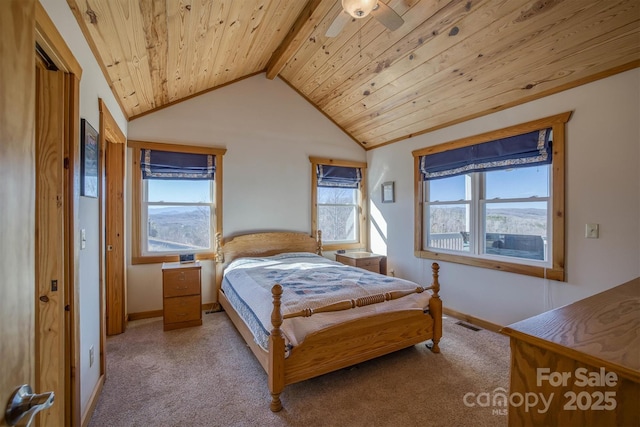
x=262, y=244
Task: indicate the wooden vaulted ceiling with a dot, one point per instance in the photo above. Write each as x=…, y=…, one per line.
x=450, y=61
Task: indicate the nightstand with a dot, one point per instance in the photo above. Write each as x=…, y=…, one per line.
x=181, y=295
x=367, y=260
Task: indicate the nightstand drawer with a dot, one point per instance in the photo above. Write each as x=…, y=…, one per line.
x=182, y=309
x=181, y=282
x=372, y=264
x=365, y=260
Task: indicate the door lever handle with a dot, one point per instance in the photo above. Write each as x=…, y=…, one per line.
x=24, y=404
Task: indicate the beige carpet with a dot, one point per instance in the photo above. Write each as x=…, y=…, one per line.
x=207, y=376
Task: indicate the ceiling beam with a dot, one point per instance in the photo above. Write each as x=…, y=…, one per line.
x=305, y=24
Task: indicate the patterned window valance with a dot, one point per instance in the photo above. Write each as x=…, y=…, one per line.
x=338, y=176
x=533, y=148
x=157, y=164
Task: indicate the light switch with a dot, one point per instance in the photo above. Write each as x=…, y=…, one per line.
x=83, y=239
x=592, y=231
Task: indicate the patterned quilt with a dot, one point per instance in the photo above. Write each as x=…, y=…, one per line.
x=308, y=281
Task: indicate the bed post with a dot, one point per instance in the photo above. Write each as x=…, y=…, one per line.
x=276, y=352
x=319, y=242
x=435, y=308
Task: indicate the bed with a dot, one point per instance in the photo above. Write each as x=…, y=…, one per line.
x=290, y=350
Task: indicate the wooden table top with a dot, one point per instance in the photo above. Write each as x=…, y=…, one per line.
x=601, y=330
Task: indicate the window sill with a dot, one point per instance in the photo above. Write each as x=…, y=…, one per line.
x=511, y=267
x=159, y=259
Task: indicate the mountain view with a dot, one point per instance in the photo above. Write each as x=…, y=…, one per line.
x=178, y=228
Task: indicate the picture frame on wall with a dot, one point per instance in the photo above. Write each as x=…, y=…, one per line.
x=89, y=160
x=388, y=192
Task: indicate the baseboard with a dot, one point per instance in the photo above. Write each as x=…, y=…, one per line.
x=209, y=307
x=145, y=315
x=473, y=320
x=93, y=401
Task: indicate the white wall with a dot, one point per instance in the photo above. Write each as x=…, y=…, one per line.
x=603, y=186
x=269, y=132
x=92, y=86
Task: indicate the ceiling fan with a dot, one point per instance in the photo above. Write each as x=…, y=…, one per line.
x=361, y=8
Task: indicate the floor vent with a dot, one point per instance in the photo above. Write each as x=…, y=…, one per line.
x=468, y=326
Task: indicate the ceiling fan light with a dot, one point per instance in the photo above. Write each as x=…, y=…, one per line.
x=359, y=8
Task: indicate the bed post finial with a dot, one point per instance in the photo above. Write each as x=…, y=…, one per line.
x=219, y=255
x=435, y=268
x=276, y=351
x=319, y=241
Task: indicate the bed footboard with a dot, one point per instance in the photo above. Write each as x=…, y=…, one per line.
x=385, y=334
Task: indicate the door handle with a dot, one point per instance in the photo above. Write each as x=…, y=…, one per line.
x=24, y=404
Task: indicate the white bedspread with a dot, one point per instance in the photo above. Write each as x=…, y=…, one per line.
x=308, y=281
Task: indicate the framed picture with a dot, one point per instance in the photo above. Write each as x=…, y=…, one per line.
x=388, y=193
x=89, y=160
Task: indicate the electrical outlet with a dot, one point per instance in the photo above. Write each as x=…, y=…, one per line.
x=91, y=356
x=592, y=231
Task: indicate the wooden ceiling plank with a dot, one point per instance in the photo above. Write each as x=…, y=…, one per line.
x=216, y=12
x=428, y=60
x=311, y=16
x=382, y=69
x=317, y=41
x=356, y=48
x=432, y=124
x=230, y=40
x=154, y=19
x=435, y=35
x=462, y=61
x=508, y=89
x=279, y=17
x=250, y=41
x=534, y=53
x=105, y=57
x=126, y=64
x=178, y=25
x=325, y=80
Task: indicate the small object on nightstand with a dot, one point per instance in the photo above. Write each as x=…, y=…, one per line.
x=182, y=297
x=185, y=258
x=367, y=260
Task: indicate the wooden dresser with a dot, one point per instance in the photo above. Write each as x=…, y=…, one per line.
x=181, y=295
x=366, y=260
x=583, y=358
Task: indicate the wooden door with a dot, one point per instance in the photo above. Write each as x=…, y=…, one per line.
x=113, y=143
x=49, y=239
x=17, y=195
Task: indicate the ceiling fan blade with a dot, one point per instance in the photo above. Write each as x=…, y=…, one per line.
x=387, y=16
x=338, y=24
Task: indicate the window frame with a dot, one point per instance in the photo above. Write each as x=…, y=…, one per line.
x=556, y=271
x=362, y=202
x=138, y=255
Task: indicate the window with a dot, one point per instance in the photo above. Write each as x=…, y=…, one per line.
x=339, y=199
x=487, y=201
x=176, y=201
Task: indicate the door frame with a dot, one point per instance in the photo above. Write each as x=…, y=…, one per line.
x=52, y=43
x=112, y=175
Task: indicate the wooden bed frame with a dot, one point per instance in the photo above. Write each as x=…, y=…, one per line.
x=335, y=347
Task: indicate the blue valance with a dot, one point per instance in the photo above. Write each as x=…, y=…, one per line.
x=338, y=176
x=157, y=164
x=533, y=148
